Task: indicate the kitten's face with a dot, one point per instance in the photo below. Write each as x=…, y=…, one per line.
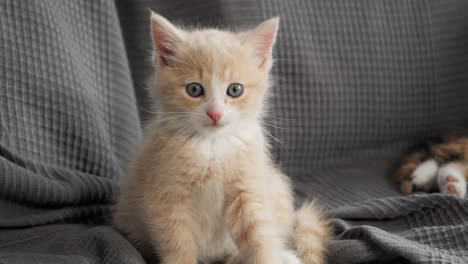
x=210, y=79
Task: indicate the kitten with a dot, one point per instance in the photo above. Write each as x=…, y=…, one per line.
x=203, y=185
x=440, y=165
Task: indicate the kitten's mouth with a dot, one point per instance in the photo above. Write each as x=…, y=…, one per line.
x=215, y=125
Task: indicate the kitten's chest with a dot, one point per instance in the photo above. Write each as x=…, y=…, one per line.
x=216, y=162
x=208, y=200
x=208, y=215
x=218, y=150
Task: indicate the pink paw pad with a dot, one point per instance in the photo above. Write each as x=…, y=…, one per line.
x=452, y=189
x=452, y=179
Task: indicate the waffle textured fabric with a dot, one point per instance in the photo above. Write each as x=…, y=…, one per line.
x=357, y=83
x=68, y=120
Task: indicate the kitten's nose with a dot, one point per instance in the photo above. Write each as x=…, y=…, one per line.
x=215, y=116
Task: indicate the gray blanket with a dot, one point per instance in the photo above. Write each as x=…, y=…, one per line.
x=358, y=83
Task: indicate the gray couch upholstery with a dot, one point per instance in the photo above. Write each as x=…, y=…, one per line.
x=358, y=83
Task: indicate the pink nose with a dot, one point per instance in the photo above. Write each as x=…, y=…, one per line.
x=215, y=116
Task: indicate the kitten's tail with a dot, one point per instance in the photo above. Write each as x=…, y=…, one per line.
x=311, y=233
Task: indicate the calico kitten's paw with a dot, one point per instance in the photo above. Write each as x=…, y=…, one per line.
x=424, y=177
x=451, y=180
x=289, y=257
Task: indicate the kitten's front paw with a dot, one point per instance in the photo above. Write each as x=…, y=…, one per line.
x=288, y=257
x=452, y=181
x=423, y=177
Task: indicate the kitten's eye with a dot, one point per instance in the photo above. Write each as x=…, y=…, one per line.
x=194, y=89
x=235, y=89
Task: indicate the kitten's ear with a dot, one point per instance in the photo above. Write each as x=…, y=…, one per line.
x=263, y=38
x=166, y=37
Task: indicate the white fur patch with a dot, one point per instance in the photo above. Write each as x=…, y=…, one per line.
x=424, y=177
x=224, y=143
x=457, y=186
x=289, y=257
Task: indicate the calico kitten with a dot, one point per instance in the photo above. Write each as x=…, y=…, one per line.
x=439, y=165
x=203, y=185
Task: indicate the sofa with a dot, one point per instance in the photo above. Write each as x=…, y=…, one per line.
x=358, y=83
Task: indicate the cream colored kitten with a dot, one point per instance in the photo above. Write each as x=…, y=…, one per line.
x=203, y=185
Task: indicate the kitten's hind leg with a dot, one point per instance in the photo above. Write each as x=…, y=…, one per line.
x=451, y=179
x=424, y=177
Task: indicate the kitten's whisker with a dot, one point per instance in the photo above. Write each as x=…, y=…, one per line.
x=179, y=127
x=184, y=112
x=270, y=118
x=269, y=115
x=273, y=126
x=143, y=108
x=171, y=118
x=149, y=111
x=174, y=113
x=181, y=113
x=275, y=139
x=271, y=122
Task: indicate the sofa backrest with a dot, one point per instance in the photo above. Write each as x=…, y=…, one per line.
x=357, y=81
